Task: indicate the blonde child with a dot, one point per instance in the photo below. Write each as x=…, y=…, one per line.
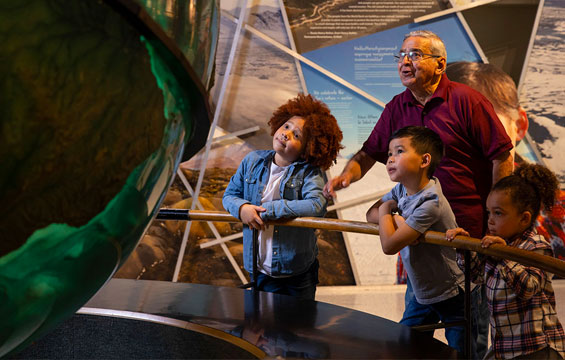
x=521, y=300
x=286, y=182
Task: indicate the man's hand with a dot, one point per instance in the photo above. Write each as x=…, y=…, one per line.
x=354, y=170
x=249, y=215
x=337, y=183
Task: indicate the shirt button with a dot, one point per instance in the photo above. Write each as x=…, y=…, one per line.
x=274, y=253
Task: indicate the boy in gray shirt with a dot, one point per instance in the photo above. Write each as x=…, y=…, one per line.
x=415, y=205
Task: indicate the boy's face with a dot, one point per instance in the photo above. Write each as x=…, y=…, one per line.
x=289, y=141
x=403, y=163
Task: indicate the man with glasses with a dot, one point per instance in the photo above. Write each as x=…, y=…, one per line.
x=477, y=148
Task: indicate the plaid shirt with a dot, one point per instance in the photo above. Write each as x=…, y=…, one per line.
x=520, y=299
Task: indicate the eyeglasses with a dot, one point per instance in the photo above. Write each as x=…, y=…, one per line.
x=414, y=56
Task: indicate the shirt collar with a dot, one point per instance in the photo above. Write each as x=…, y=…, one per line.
x=275, y=169
x=440, y=93
x=518, y=239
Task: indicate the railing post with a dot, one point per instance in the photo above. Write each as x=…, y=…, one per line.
x=468, y=319
x=255, y=252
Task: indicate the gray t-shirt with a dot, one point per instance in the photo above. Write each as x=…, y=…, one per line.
x=432, y=269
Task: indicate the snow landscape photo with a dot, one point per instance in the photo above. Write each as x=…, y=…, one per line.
x=262, y=76
x=543, y=88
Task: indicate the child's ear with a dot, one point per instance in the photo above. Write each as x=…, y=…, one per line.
x=426, y=160
x=526, y=218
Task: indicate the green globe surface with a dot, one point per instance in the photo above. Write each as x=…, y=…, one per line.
x=99, y=105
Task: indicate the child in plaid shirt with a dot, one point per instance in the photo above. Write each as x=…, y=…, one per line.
x=521, y=300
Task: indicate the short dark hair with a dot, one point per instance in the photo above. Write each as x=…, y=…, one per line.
x=423, y=140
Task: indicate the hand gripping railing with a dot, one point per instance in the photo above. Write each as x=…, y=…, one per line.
x=544, y=262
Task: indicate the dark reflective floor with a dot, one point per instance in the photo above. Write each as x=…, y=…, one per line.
x=103, y=337
x=279, y=325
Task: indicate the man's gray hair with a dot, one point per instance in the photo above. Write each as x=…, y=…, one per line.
x=437, y=45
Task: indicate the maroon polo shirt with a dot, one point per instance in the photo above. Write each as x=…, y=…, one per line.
x=473, y=136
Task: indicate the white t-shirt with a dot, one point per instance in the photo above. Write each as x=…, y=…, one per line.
x=265, y=256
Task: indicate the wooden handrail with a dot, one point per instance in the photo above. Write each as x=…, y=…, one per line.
x=544, y=262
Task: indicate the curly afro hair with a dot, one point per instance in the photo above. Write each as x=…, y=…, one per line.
x=530, y=187
x=320, y=126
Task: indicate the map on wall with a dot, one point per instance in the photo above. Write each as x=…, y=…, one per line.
x=320, y=23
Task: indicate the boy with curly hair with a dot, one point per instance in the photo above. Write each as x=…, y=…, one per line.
x=283, y=183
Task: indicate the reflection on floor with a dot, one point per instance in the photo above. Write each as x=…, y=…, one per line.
x=387, y=301
x=279, y=325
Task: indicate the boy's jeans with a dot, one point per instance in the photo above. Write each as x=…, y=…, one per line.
x=449, y=310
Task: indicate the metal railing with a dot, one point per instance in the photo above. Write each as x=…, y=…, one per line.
x=547, y=263
x=544, y=262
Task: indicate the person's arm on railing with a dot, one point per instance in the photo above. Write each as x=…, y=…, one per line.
x=477, y=264
x=525, y=281
x=395, y=234
x=235, y=203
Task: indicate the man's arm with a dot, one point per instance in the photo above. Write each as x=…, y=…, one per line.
x=395, y=234
x=502, y=166
x=354, y=170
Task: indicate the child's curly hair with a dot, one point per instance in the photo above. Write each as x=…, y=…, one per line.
x=320, y=126
x=530, y=187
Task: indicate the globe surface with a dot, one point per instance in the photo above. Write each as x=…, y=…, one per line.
x=99, y=104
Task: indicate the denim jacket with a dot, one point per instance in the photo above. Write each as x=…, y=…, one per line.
x=294, y=248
